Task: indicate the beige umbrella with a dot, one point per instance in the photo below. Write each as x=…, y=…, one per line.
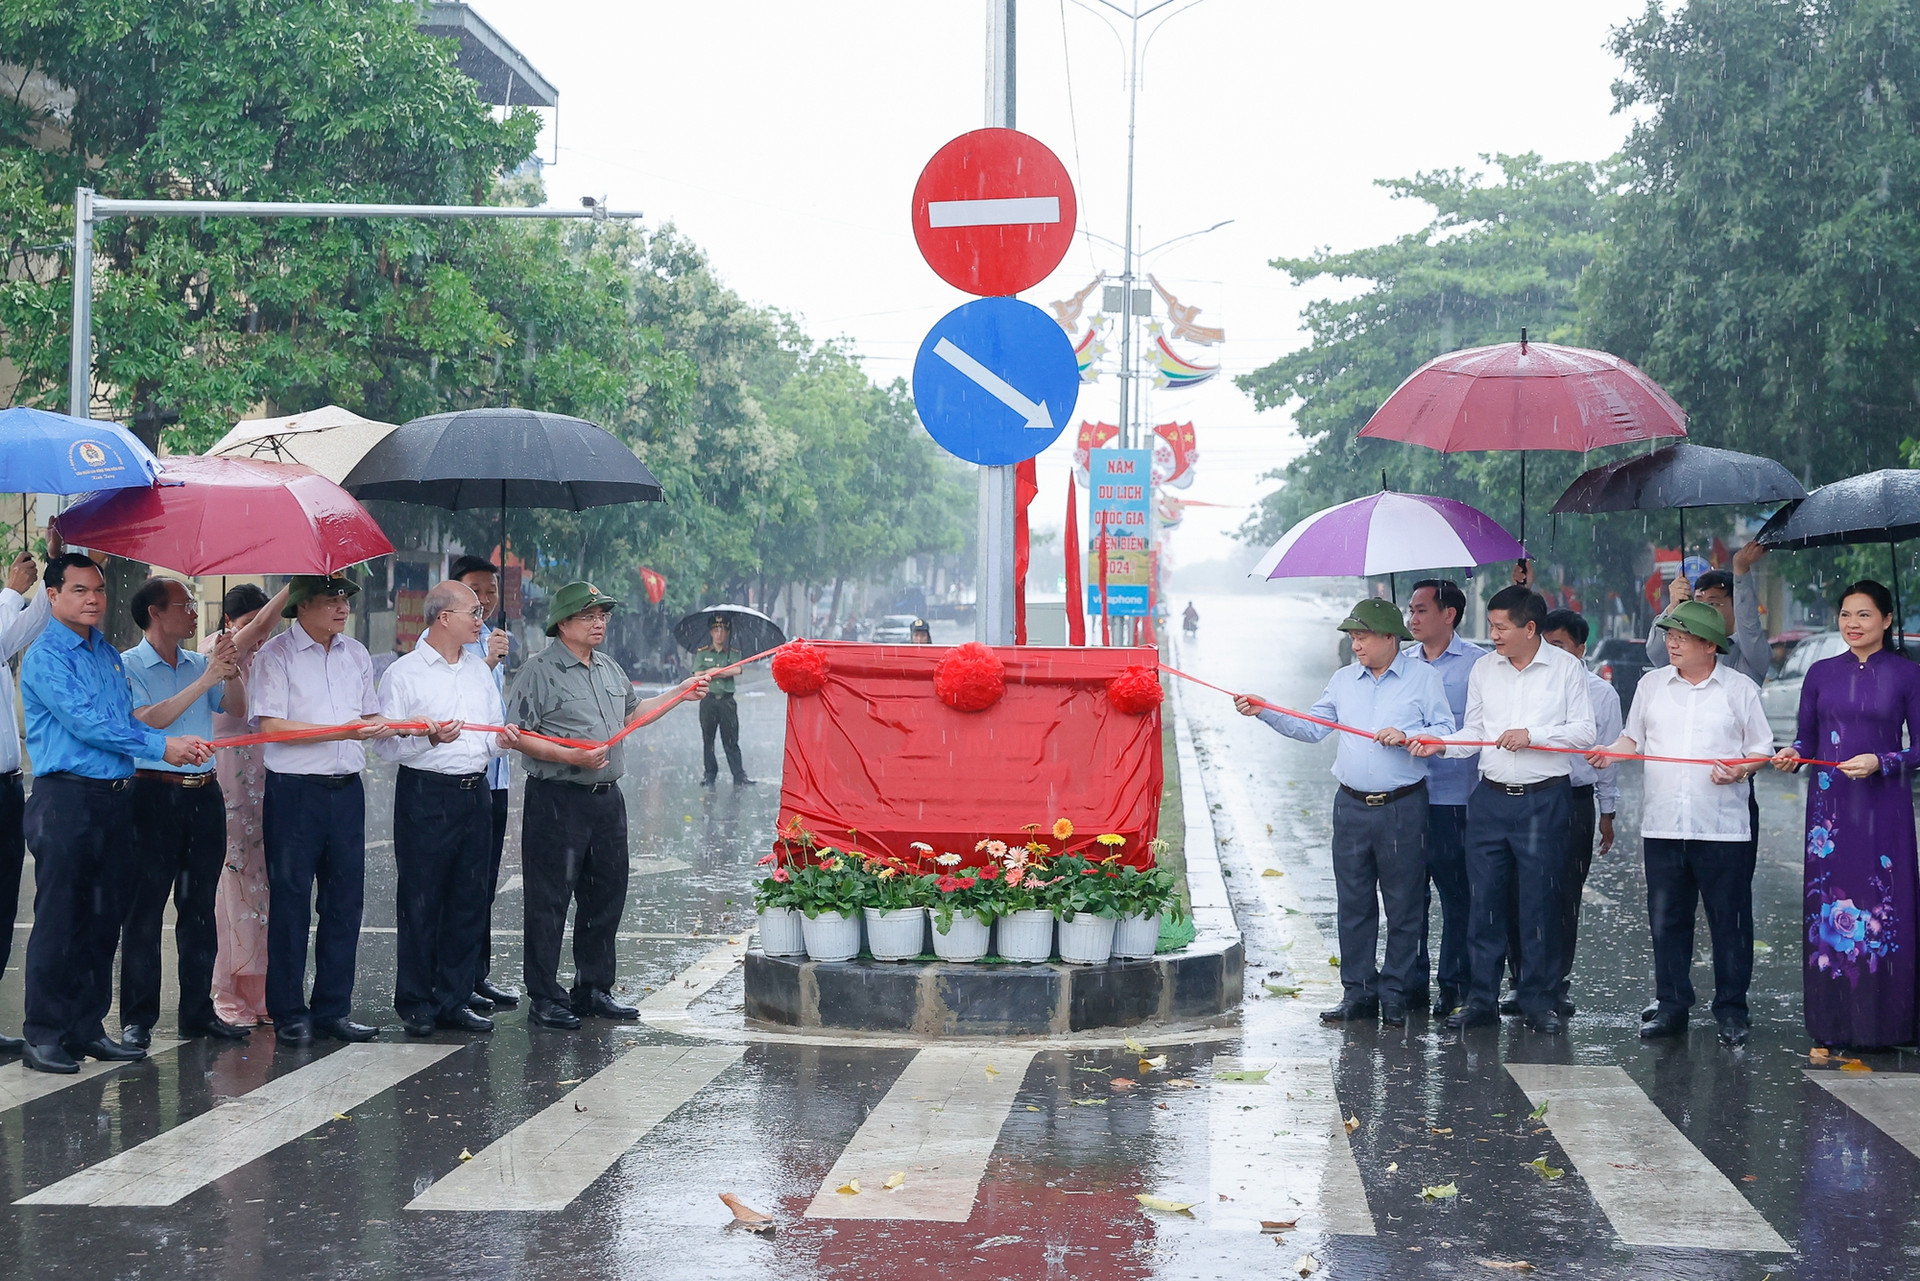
x=329, y=440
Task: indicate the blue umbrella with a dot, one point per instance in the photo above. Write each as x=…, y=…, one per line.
x=43, y=453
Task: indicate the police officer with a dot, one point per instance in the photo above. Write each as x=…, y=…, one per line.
x=718, y=711
x=573, y=820
x=920, y=633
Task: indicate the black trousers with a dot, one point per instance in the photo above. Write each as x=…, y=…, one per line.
x=180, y=837
x=1379, y=865
x=316, y=838
x=1447, y=877
x=81, y=833
x=573, y=847
x=499, y=814
x=1516, y=841
x=441, y=826
x=13, y=857
x=720, y=712
x=1682, y=875
x=1582, y=821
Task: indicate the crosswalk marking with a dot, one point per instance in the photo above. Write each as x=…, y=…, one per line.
x=1654, y=1186
x=1890, y=1100
x=1279, y=1150
x=635, y=867
x=555, y=1156
x=694, y=982
x=937, y=1126
x=214, y=1144
x=19, y=1086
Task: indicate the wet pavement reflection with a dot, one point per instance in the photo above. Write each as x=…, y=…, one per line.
x=1388, y=1152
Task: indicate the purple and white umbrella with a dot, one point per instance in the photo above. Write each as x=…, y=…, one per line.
x=1388, y=533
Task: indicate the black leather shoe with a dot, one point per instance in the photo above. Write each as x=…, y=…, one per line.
x=215, y=1027
x=1547, y=1023
x=553, y=1014
x=137, y=1035
x=1649, y=1012
x=47, y=1058
x=479, y=1004
x=1510, y=1007
x=465, y=1020
x=505, y=997
x=344, y=1029
x=1667, y=1023
x=1393, y=1013
x=1445, y=1003
x=743, y=782
x=598, y=1004
x=106, y=1049
x=12, y=1044
x=1733, y=1032
x=417, y=1024
x=706, y=782
x=1472, y=1016
x=295, y=1032
x=1351, y=1011
x=1563, y=1008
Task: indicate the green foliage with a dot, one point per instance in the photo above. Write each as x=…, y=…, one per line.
x=1149, y=891
x=1082, y=885
x=833, y=883
x=891, y=890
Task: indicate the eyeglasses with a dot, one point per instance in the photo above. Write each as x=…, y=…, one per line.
x=478, y=613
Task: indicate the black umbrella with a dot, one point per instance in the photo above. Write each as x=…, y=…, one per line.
x=1879, y=507
x=752, y=632
x=1680, y=476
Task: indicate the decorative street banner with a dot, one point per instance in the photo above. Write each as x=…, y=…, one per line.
x=1091, y=437
x=1176, y=371
x=1119, y=500
x=1174, y=454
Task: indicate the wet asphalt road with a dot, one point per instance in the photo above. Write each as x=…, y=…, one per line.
x=1056, y=1194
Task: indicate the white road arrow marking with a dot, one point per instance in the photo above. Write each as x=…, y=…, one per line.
x=993, y=213
x=1036, y=416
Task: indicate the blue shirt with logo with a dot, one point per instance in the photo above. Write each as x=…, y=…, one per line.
x=79, y=709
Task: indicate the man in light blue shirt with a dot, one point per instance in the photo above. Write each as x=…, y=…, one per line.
x=1380, y=813
x=179, y=815
x=1434, y=611
x=483, y=577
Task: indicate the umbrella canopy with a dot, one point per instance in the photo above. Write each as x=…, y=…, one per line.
x=753, y=632
x=328, y=441
x=1681, y=475
x=1526, y=396
x=1388, y=533
x=1879, y=507
x=502, y=458
x=43, y=453
x=230, y=516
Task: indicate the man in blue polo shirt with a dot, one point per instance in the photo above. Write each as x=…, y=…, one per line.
x=179, y=815
x=82, y=739
x=1434, y=611
x=1380, y=812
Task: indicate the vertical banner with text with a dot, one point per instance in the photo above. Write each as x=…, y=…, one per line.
x=1119, y=493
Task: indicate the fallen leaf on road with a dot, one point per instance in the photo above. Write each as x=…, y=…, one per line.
x=1153, y=1064
x=992, y=1070
x=1306, y=1265
x=1161, y=1203
x=579, y=1107
x=1545, y=1171
x=1334, y=961
x=1749, y=1178
x=1518, y=1265
x=1120, y=1084
x=746, y=1215
x=1181, y=1083
x=1352, y=1124
x=1280, y=989
x=894, y=1180
x=575, y=1081
x=1538, y=1112
x=1032, y=1108
x=1818, y=1055
x=1439, y=1192
x=1854, y=1065
x=1393, y=1167
x=1134, y=1046
x=1240, y=1074
x=990, y=1242
x=1273, y=871
x=1277, y=1225
x=850, y=1188
x=465, y=1155
x=1434, y=1129
x=341, y=1116
x=1088, y=1103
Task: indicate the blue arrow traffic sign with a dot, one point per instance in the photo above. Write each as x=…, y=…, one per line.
x=995, y=381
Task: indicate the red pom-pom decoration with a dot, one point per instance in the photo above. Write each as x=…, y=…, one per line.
x=971, y=678
x=799, y=668
x=1136, y=691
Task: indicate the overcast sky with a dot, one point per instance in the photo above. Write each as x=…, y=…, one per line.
x=785, y=138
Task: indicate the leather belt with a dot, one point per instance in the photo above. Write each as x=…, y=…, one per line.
x=1377, y=799
x=68, y=776
x=1524, y=789
x=177, y=780
x=465, y=782
x=333, y=782
x=596, y=789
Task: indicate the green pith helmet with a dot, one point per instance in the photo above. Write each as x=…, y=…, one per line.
x=1696, y=619
x=305, y=587
x=570, y=600
x=1376, y=615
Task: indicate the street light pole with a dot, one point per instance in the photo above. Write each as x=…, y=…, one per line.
x=89, y=208
x=993, y=612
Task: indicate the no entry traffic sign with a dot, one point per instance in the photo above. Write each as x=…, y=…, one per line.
x=993, y=212
x=995, y=381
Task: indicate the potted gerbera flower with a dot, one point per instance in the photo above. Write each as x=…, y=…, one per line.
x=962, y=907
x=829, y=891
x=1142, y=897
x=1084, y=902
x=774, y=897
x=1023, y=928
x=896, y=906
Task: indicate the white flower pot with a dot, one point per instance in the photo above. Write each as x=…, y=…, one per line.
x=780, y=932
x=831, y=936
x=1025, y=936
x=1086, y=939
x=964, y=940
x=896, y=935
x=1136, y=937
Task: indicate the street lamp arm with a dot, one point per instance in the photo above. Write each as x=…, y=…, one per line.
x=1177, y=239
x=1131, y=16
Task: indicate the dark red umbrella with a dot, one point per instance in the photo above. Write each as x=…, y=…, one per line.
x=229, y=516
x=1524, y=396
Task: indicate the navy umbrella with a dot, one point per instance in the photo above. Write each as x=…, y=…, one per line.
x=1879, y=507
x=1679, y=477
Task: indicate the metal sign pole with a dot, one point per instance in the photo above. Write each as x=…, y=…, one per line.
x=993, y=616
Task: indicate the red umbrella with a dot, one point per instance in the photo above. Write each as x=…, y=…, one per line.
x=230, y=516
x=1526, y=396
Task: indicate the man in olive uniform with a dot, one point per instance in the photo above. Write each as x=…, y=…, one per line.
x=718, y=711
x=573, y=823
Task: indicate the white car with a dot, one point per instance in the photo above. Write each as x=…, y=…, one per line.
x=1780, y=696
x=894, y=629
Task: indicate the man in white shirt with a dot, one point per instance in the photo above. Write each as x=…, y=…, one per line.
x=1524, y=694
x=21, y=623
x=492, y=647
x=1695, y=826
x=442, y=814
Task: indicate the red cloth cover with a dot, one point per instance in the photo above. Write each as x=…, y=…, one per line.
x=877, y=752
